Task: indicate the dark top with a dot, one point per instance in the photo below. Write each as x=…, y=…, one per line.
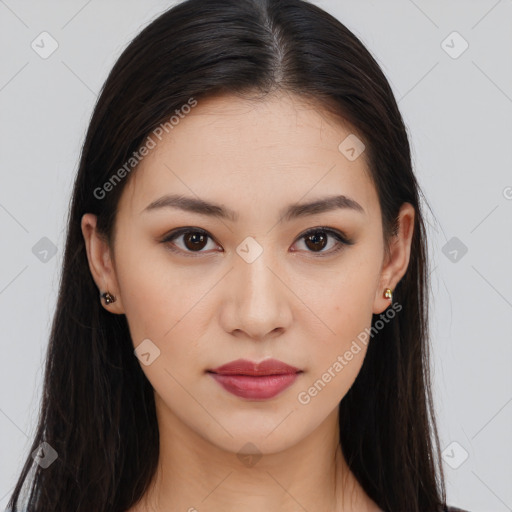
x=454, y=509
x=449, y=509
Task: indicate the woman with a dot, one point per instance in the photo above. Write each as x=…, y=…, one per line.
x=242, y=317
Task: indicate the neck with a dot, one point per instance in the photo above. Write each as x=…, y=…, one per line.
x=194, y=475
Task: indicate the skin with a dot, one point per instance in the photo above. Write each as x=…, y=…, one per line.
x=210, y=307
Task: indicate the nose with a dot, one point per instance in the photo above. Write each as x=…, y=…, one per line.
x=258, y=299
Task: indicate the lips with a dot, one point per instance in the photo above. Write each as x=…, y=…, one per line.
x=257, y=381
x=245, y=367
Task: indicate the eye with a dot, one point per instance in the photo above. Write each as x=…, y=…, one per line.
x=194, y=240
x=316, y=239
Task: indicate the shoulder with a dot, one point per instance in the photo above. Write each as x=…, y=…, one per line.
x=455, y=509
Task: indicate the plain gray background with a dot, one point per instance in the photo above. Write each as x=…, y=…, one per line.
x=457, y=104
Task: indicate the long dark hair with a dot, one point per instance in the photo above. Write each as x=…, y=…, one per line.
x=98, y=409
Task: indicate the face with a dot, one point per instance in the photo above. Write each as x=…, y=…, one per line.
x=257, y=276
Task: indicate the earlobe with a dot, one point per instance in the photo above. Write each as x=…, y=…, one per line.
x=100, y=264
x=397, y=260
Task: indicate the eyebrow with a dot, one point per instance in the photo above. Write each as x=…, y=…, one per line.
x=293, y=211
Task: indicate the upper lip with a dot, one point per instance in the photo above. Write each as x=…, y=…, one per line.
x=245, y=367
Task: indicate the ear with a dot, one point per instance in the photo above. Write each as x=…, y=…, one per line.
x=396, y=262
x=101, y=263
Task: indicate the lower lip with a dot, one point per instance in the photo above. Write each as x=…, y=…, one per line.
x=259, y=388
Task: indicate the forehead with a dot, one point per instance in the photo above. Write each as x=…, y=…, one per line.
x=266, y=151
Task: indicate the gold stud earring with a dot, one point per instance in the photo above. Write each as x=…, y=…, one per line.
x=109, y=298
x=388, y=294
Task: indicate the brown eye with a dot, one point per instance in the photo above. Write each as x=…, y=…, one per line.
x=191, y=240
x=194, y=241
x=317, y=239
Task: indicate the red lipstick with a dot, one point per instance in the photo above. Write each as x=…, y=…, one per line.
x=258, y=381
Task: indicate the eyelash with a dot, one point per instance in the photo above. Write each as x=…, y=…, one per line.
x=339, y=236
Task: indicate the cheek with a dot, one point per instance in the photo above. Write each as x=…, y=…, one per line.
x=336, y=359
x=157, y=298
x=170, y=306
x=161, y=306
x=345, y=302
x=345, y=308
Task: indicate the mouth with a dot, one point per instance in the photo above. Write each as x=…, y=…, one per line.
x=256, y=381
